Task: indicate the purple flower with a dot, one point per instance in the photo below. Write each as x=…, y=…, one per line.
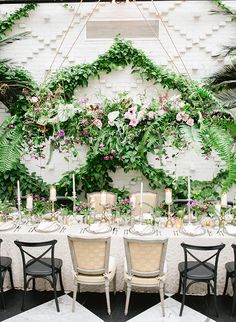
x=101, y=146
x=106, y=157
x=61, y=133
x=86, y=132
x=54, y=139
x=111, y=157
x=37, y=109
x=11, y=126
x=84, y=121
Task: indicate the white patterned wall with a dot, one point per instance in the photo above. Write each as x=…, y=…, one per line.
x=196, y=33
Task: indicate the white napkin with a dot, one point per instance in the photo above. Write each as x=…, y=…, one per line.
x=47, y=226
x=99, y=227
x=230, y=229
x=147, y=216
x=7, y=225
x=193, y=230
x=142, y=228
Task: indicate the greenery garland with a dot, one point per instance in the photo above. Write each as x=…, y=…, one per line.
x=95, y=176
x=226, y=9
x=8, y=23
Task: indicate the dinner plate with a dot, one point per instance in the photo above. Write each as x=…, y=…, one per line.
x=107, y=230
x=142, y=233
x=230, y=231
x=7, y=226
x=55, y=227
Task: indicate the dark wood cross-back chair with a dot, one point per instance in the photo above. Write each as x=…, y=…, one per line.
x=48, y=268
x=5, y=266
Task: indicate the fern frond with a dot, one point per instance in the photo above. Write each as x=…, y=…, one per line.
x=190, y=134
x=228, y=98
x=10, y=148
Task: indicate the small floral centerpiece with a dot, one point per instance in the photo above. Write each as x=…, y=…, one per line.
x=5, y=207
x=82, y=208
x=41, y=205
x=121, y=211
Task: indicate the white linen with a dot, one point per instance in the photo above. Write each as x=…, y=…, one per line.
x=7, y=225
x=143, y=229
x=47, y=226
x=174, y=255
x=230, y=229
x=193, y=230
x=99, y=227
x=147, y=216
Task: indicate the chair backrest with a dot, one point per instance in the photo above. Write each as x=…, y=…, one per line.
x=149, y=201
x=90, y=256
x=234, y=249
x=0, y=262
x=48, y=249
x=206, y=253
x=145, y=258
x=94, y=200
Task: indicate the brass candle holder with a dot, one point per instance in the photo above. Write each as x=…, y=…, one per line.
x=169, y=223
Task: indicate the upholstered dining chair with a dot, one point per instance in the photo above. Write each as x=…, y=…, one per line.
x=231, y=273
x=40, y=266
x=149, y=201
x=94, y=200
x=144, y=266
x=199, y=269
x=5, y=266
x=92, y=264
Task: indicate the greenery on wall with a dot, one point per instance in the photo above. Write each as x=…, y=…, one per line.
x=119, y=132
x=225, y=9
x=7, y=23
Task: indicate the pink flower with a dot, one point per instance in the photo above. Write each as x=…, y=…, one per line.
x=179, y=117
x=140, y=115
x=134, y=122
x=34, y=99
x=131, y=113
x=185, y=117
x=82, y=100
x=98, y=123
x=84, y=121
x=190, y=122
x=106, y=157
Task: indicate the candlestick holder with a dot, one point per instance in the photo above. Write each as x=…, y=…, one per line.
x=169, y=223
x=221, y=220
x=53, y=216
x=30, y=220
x=104, y=217
x=74, y=203
x=19, y=210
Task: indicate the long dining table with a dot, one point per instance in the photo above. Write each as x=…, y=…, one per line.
x=174, y=253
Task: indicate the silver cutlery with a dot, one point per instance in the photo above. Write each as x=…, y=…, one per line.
x=209, y=232
x=31, y=229
x=63, y=228
x=17, y=228
x=82, y=230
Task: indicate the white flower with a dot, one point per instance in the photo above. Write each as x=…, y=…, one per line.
x=112, y=117
x=161, y=112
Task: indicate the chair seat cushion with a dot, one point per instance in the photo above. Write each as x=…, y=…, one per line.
x=5, y=262
x=98, y=279
x=198, y=273
x=36, y=268
x=141, y=281
x=230, y=268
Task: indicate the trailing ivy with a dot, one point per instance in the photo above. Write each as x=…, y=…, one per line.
x=7, y=23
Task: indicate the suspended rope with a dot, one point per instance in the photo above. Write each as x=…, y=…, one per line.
x=177, y=51
x=62, y=41
x=155, y=33
x=79, y=34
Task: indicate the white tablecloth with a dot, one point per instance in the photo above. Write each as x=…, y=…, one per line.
x=173, y=257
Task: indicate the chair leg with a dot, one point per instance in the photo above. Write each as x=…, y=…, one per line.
x=11, y=278
x=234, y=297
x=226, y=283
x=114, y=285
x=180, y=283
x=208, y=289
x=215, y=299
x=24, y=294
x=162, y=296
x=55, y=292
x=74, y=296
x=127, y=298
x=2, y=296
x=107, y=297
x=33, y=280
x=184, y=283
x=61, y=283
